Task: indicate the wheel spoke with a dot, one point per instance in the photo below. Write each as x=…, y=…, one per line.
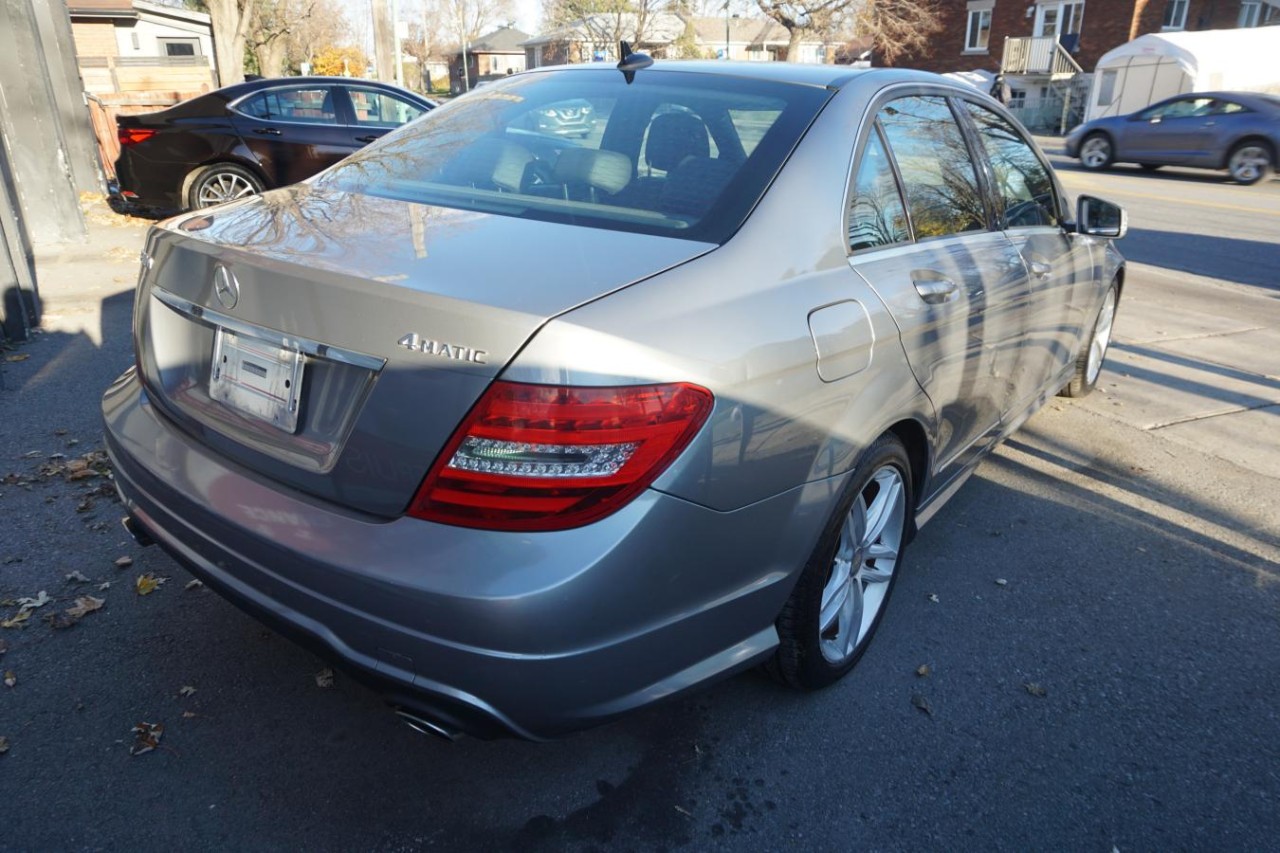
x=881, y=509
x=834, y=599
x=851, y=615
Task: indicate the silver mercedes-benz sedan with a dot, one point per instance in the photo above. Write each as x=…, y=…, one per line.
x=529, y=432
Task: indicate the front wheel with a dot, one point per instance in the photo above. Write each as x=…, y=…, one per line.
x=837, y=604
x=1249, y=162
x=222, y=182
x=1096, y=152
x=1094, y=351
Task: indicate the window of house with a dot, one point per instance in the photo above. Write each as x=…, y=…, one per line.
x=179, y=47
x=978, y=35
x=876, y=215
x=938, y=175
x=1175, y=15
x=1059, y=19
x=1258, y=13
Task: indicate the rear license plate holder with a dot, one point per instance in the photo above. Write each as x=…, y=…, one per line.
x=257, y=378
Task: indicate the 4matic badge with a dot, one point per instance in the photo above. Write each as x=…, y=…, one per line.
x=458, y=352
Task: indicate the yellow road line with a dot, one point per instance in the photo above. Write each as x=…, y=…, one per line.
x=1166, y=199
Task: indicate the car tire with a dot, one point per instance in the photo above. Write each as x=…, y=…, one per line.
x=1250, y=161
x=825, y=626
x=220, y=183
x=1097, y=152
x=1094, y=351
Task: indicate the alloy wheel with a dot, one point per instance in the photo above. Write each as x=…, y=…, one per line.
x=1248, y=163
x=870, y=540
x=1101, y=337
x=1096, y=152
x=222, y=187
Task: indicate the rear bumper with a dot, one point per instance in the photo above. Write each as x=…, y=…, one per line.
x=531, y=635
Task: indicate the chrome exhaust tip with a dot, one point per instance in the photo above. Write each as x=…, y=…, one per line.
x=423, y=726
x=136, y=531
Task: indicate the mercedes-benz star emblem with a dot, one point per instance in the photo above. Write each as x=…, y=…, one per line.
x=226, y=286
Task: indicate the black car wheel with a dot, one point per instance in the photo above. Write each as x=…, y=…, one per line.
x=1250, y=161
x=1094, y=350
x=221, y=182
x=1096, y=152
x=837, y=604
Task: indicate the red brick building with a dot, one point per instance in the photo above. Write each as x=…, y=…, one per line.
x=974, y=31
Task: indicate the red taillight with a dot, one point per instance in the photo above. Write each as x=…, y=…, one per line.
x=548, y=457
x=134, y=135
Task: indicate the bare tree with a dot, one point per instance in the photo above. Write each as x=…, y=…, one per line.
x=801, y=17
x=272, y=23
x=325, y=25
x=897, y=28
x=230, y=21
x=606, y=22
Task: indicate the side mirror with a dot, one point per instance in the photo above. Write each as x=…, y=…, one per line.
x=1099, y=218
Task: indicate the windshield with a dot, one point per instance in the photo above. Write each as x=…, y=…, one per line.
x=674, y=153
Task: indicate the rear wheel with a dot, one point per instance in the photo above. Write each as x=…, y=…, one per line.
x=221, y=182
x=1094, y=351
x=1250, y=162
x=837, y=604
x=1096, y=152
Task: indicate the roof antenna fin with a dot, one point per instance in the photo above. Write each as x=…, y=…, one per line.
x=631, y=62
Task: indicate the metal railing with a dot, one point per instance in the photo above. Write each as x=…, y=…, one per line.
x=1038, y=55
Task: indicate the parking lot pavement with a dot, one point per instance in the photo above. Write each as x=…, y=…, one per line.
x=1097, y=608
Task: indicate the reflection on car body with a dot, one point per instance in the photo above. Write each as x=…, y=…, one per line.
x=740, y=342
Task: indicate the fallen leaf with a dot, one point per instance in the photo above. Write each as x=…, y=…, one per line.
x=16, y=620
x=124, y=562
x=59, y=621
x=4, y=745
x=194, y=584
x=684, y=812
x=41, y=599
x=19, y=356
x=922, y=703
x=186, y=690
x=4, y=647
x=85, y=605
x=148, y=737
x=1036, y=690
x=923, y=670
x=85, y=505
x=186, y=715
x=148, y=583
x=324, y=678
x=60, y=432
x=81, y=475
x=1001, y=582
x=933, y=596
x=105, y=585
x=9, y=678
x=33, y=454
x=75, y=466
x=77, y=577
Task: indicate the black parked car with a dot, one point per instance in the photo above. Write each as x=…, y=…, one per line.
x=251, y=137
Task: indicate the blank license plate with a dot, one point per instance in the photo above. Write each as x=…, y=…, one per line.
x=257, y=378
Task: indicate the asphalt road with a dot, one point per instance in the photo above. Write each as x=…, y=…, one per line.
x=1137, y=535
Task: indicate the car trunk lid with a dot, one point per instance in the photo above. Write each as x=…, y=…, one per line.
x=333, y=341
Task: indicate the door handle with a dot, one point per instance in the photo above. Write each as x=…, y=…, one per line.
x=370, y=138
x=936, y=290
x=1040, y=269
x=267, y=131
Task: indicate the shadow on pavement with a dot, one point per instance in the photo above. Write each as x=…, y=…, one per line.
x=1249, y=262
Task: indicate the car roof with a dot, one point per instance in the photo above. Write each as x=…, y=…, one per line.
x=827, y=76
x=236, y=90
x=1252, y=99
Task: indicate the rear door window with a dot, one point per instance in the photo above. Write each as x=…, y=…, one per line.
x=313, y=105
x=876, y=213
x=938, y=175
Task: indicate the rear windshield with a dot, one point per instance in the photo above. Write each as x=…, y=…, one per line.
x=674, y=153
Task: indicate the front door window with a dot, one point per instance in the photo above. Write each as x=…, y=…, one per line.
x=1059, y=19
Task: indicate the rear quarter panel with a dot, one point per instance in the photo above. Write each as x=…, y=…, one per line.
x=737, y=322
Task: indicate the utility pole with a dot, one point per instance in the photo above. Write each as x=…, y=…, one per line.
x=395, y=29
x=726, y=29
